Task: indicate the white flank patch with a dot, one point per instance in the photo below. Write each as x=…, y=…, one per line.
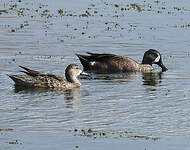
x=157, y=59
x=92, y=63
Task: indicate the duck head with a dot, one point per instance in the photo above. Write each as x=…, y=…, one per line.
x=152, y=56
x=73, y=71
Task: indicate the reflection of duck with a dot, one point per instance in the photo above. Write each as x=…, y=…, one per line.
x=110, y=63
x=37, y=79
x=73, y=97
x=72, y=94
x=31, y=90
x=152, y=78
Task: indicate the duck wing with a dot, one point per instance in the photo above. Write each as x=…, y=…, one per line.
x=55, y=77
x=46, y=81
x=95, y=61
x=98, y=55
x=94, y=56
x=37, y=79
x=31, y=72
x=35, y=73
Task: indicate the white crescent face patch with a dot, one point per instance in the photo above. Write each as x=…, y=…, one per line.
x=92, y=63
x=157, y=59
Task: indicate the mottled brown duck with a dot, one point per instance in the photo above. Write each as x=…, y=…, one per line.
x=35, y=79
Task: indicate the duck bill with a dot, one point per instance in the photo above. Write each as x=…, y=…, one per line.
x=85, y=74
x=163, y=67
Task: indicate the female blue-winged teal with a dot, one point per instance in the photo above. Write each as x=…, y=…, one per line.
x=110, y=63
x=37, y=79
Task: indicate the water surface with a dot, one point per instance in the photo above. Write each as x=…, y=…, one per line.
x=154, y=104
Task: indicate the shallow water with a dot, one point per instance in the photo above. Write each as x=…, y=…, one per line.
x=143, y=104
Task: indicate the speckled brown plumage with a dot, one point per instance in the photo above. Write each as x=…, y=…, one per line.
x=37, y=79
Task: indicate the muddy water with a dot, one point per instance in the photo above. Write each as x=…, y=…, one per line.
x=142, y=104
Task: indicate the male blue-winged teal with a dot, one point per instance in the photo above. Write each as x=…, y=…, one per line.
x=36, y=79
x=110, y=63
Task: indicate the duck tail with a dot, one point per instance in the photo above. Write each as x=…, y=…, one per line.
x=17, y=79
x=90, y=53
x=84, y=61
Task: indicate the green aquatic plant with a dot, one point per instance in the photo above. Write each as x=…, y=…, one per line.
x=60, y=12
x=3, y=11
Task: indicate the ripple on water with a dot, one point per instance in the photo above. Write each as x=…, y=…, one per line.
x=147, y=104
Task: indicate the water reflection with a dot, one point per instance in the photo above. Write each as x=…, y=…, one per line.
x=69, y=94
x=152, y=78
x=114, y=102
x=72, y=98
x=94, y=76
x=72, y=94
x=20, y=89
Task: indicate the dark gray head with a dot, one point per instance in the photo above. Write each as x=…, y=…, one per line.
x=72, y=72
x=152, y=56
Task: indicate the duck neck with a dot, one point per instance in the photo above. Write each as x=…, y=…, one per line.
x=146, y=61
x=146, y=68
x=72, y=79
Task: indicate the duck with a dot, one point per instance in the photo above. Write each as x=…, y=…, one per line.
x=35, y=79
x=103, y=63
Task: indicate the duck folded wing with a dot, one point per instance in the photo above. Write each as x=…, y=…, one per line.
x=35, y=73
x=97, y=55
x=49, y=81
x=31, y=72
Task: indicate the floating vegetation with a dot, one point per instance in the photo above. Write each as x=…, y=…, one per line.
x=3, y=11
x=15, y=142
x=113, y=26
x=18, y=27
x=40, y=13
x=60, y=12
x=6, y=129
x=116, y=5
x=38, y=10
x=136, y=6
x=185, y=26
x=110, y=134
x=13, y=30
x=177, y=8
